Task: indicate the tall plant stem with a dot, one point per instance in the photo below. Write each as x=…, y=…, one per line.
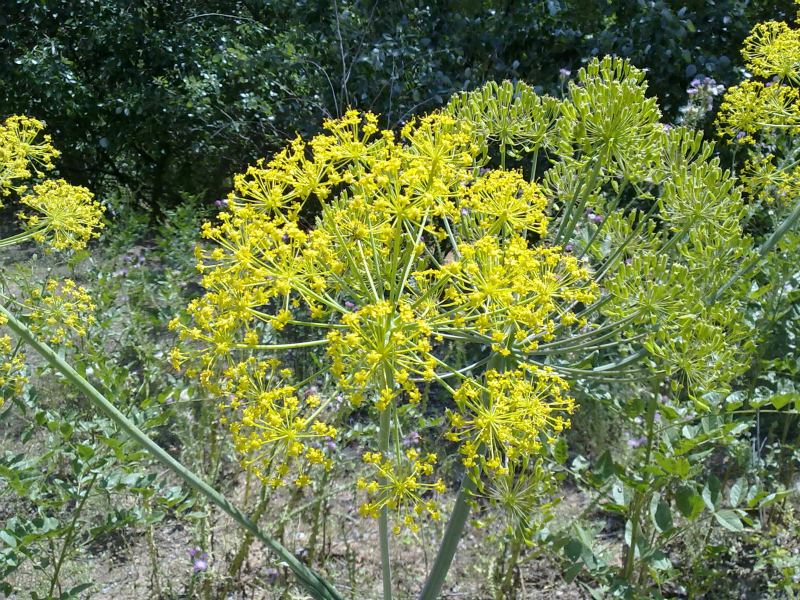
x=765, y=248
x=383, y=519
x=640, y=498
x=452, y=535
x=318, y=587
x=68, y=538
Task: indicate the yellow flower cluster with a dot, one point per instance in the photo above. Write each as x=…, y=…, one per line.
x=771, y=52
x=12, y=367
x=64, y=216
x=506, y=418
x=400, y=486
x=399, y=255
x=21, y=155
x=61, y=312
x=382, y=342
x=61, y=215
x=273, y=425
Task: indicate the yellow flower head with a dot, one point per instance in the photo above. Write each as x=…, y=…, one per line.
x=64, y=216
x=61, y=312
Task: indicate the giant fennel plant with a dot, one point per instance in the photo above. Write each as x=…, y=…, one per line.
x=62, y=217
x=474, y=265
x=55, y=214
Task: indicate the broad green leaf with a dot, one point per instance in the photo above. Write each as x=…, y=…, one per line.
x=660, y=513
x=737, y=491
x=711, y=492
x=689, y=503
x=729, y=520
x=781, y=400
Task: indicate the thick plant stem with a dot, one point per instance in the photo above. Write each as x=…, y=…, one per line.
x=447, y=549
x=318, y=587
x=383, y=519
x=507, y=585
x=640, y=498
x=244, y=547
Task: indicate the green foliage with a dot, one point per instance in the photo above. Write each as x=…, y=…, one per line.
x=172, y=97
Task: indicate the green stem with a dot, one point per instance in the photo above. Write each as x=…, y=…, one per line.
x=68, y=538
x=383, y=519
x=318, y=587
x=244, y=547
x=765, y=248
x=640, y=498
x=452, y=535
x=506, y=587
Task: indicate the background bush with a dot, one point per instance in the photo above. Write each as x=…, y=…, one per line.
x=169, y=98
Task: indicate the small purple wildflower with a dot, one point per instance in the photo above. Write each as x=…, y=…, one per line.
x=199, y=559
x=330, y=445
x=636, y=442
x=349, y=305
x=464, y=212
x=564, y=73
x=740, y=135
x=412, y=439
x=201, y=563
x=221, y=203
x=568, y=248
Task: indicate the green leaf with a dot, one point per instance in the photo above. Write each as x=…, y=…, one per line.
x=660, y=513
x=660, y=561
x=729, y=520
x=781, y=400
x=737, y=491
x=689, y=503
x=8, y=539
x=711, y=492
x=678, y=467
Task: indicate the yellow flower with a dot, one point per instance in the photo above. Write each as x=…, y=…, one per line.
x=506, y=417
x=64, y=216
x=401, y=486
x=20, y=151
x=61, y=312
